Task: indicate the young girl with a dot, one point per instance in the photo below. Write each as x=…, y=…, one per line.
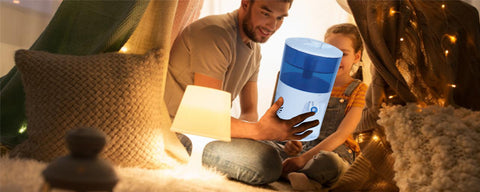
x=328, y=157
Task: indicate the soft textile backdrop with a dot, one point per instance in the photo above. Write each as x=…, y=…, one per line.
x=424, y=52
x=92, y=27
x=78, y=28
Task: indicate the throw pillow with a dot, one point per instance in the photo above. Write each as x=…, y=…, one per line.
x=435, y=148
x=119, y=94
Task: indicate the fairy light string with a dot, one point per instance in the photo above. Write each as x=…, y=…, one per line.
x=452, y=38
x=448, y=40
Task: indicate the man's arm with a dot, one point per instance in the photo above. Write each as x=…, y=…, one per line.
x=249, y=102
x=269, y=127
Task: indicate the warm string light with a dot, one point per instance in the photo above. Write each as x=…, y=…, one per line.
x=16, y=1
x=360, y=140
x=22, y=129
x=375, y=138
x=124, y=49
x=392, y=11
x=420, y=107
x=452, y=38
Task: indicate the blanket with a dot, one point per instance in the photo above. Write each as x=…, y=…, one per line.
x=17, y=175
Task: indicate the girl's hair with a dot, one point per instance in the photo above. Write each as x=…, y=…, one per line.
x=351, y=31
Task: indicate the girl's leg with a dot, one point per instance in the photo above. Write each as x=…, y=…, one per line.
x=326, y=168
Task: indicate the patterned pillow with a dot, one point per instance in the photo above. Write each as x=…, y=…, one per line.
x=119, y=94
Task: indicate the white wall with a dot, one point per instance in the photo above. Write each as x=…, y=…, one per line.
x=307, y=18
x=20, y=26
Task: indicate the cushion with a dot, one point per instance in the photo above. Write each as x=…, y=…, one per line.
x=435, y=148
x=119, y=94
x=80, y=28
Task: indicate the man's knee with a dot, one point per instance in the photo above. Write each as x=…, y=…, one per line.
x=245, y=160
x=268, y=164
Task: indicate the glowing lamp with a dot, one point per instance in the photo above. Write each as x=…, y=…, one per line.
x=203, y=112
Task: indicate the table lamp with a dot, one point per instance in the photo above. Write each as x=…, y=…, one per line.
x=203, y=113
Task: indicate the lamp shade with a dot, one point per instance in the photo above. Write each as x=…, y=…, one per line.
x=204, y=112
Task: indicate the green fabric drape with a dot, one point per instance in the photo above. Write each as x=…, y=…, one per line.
x=77, y=28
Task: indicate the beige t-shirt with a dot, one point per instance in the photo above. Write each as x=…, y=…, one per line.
x=211, y=46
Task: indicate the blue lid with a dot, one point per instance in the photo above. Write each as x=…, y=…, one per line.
x=312, y=55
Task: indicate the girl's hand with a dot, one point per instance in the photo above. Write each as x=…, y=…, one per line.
x=293, y=148
x=293, y=164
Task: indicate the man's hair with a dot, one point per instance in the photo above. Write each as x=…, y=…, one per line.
x=288, y=1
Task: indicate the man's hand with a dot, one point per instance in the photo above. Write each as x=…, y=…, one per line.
x=271, y=127
x=293, y=148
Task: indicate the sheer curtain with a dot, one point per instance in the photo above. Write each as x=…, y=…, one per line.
x=306, y=19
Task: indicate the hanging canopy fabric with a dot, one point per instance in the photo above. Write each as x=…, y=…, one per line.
x=93, y=27
x=77, y=28
x=424, y=52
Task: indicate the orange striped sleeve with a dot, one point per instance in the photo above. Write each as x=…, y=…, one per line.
x=358, y=96
x=338, y=92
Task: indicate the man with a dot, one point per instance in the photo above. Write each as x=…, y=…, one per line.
x=223, y=52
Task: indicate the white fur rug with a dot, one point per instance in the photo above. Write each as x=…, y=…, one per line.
x=435, y=148
x=20, y=175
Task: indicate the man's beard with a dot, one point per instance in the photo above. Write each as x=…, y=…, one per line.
x=249, y=29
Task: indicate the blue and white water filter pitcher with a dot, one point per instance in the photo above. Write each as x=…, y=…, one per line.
x=307, y=74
